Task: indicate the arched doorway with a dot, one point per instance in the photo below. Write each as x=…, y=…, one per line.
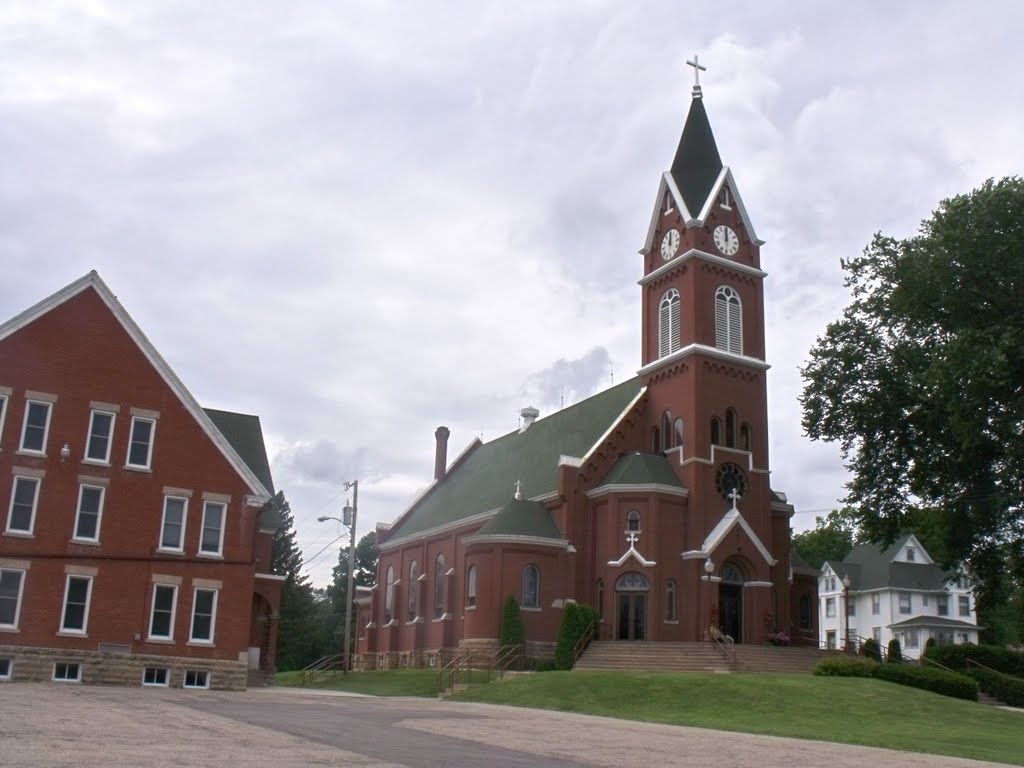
x=730, y=601
x=631, y=592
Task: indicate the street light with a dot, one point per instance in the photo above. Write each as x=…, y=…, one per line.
x=846, y=610
x=709, y=568
x=348, y=519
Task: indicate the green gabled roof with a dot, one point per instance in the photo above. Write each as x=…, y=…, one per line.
x=870, y=567
x=522, y=518
x=245, y=434
x=485, y=479
x=934, y=621
x=641, y=469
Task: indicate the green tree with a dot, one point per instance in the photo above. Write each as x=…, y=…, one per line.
x=365, y=575
x=922, y=383
x=831, y=538
x=512, y=630
x=298, y=625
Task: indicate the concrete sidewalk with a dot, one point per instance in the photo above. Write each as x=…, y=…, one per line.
x=58, y=726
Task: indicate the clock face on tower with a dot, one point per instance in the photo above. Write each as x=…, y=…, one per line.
x=726, y=240
x=669, y=244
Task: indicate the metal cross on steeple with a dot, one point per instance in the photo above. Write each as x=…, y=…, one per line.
x=735, y=496
x=697, y=69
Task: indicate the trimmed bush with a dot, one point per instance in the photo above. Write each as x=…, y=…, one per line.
x=895, y=652
x=576, y=620
x=993, y=656
x=935, y=680
x=1008, y=690
x=929, y=645
x=845, y=667
x=870, y=649
x=512, y=632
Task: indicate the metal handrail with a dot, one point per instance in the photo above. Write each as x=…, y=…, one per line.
x=581, y=645
x=989, y=669
x=505, y=657
x=320, y=665
x=924, y=658
x=727, y=649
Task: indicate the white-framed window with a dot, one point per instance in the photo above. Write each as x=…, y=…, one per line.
x=666, y=430
x=155, y=676
x=876, y=604
x=876, y=633
x=204, y=615
x=212, y=536
x=21, y=517
x=965, y=605
x=924, y=600
x=140, y=443
x=964, y=637
x=101, y=430
x=172, y=528
x=197, y=678
x=531, y=587
x=905, y=603
x=3, y=414
x=851, y=605
x=962, y=581
x=90, y=513
x=830, y=606
x=671, y=611
x=911, y=554
x=12, y=584
x=830, y=639
x=471, y=587
x=439, y=587
x=942, y=605
x=414, y=590
x=633, y=521
x=911, y=638
x=36, y=427
x=6, y=668
x=728, y=320
x=67, y=671
x=669, y=339
x=677, y=432
x=731, y=420
x=77, y=595
x=389, y=595
x=161, y=619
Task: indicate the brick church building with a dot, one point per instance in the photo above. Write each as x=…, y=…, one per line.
x=136, y=535
x=650, y=501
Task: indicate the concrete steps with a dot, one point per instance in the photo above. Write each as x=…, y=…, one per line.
x=696, y=657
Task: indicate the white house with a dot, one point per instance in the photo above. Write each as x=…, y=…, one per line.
x=897, y=592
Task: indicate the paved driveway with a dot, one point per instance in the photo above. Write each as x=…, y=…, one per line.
x=51, y=726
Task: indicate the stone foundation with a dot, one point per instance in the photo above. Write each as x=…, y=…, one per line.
x=437, y=658
x=98, y=668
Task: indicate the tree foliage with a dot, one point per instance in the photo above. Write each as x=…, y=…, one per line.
x=831, y=538
x=364, y=575
x=299, y=623
x=922, y=383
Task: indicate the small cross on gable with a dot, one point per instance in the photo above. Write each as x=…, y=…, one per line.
x=631, y=539
x=735, y=496
x=697, y=69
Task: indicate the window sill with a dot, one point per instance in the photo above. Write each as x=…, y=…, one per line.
x=96, y=463
x=210, y=555
x=417, y=620
x=134, y=468
x=175, y=552
x=10, y=630
x=470, y=608
x=160, y=640
x=201, y=643
x=20, y=534
x=535, y=609
x=73, y=633
x=671, y=622
x=85, y=542
x=33, y=454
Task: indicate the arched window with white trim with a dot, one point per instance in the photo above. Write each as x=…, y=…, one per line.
x=414, y=590
x=389, y=596
x=531, y=587
x=728, y=320
x=633, y=521
x=439, y=587
x=666, y=430
x=671, y=609
x=677, y=433
x=730, y=427
x=471, y=587
x=668, y=323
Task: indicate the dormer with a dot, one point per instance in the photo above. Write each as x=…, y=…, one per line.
x=910, y=551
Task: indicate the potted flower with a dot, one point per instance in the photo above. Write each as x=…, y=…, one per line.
x=778, y=637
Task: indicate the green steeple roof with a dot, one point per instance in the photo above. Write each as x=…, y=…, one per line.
x=697, y=163
x=486, y=478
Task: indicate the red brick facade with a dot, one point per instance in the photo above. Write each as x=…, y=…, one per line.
x=78, y=354
x=691, y=557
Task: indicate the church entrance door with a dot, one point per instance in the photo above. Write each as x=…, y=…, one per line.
x=631, y=602
x=730, y=610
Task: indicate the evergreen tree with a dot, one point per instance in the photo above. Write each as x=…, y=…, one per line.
x=512, y=630
x=297, y=628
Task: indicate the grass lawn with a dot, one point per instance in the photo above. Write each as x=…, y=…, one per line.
x=843, y=709
x=392, y=682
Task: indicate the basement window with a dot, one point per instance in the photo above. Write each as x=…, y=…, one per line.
x=6, y=665
x=155, y=676
x=197, y=678
x=67, y=671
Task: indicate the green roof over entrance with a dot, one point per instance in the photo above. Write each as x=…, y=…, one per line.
x=486, y=479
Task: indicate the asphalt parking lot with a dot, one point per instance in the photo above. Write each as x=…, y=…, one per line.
x=53, y=726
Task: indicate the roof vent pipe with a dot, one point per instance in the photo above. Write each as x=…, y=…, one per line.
x=441, y=453
x=528, y=415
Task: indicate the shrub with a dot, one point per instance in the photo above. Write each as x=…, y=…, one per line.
x=935, y=680
x=576, y=620
x=1008, y=690
x=895, y=652
x=929, y=645
x=512, y=632
x=993, y=656
x=845, y=667
x=543, y=665
x=870, y=649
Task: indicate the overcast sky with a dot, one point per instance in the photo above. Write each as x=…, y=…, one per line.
x=361, y=220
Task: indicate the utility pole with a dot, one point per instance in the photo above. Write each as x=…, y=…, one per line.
x=348, y=518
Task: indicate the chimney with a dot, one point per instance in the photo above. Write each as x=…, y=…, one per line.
x=529, y=415
x=441, y=453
